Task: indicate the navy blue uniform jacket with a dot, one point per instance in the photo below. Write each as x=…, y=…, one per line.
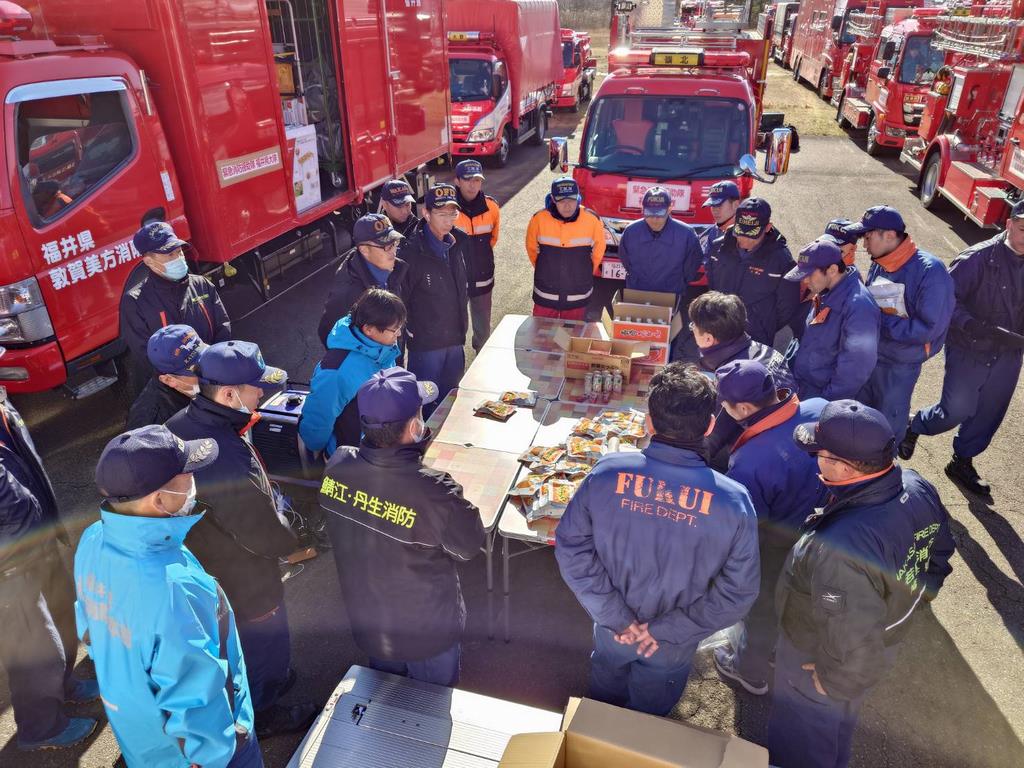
x=660, y=537
x=666, y=261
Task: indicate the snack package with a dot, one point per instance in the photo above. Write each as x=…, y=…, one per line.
x=538, y=454
x=571, y=469
x=583, y=448
x=589, y=428
x=492, y=409
x=522, y=399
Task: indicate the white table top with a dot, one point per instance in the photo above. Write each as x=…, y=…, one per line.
x=386, y=721
x=538, y=333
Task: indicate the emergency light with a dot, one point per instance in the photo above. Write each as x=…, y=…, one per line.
x=13, y=19
x=633, y=58
x=468, y=37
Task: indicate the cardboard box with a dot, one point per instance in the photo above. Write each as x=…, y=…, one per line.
x=650, y=316
x=596, y=735
x=657, y=356
x=584, y=354
x=285, y=77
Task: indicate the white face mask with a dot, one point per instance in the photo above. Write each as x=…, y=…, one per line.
x=193, y=390
x=190, y=501
x=419, y=431
x=242, y=408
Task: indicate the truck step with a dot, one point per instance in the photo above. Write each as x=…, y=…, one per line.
x=91, y=386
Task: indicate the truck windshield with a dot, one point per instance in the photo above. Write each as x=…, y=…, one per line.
x=471, y=79
x=921, y=60
x=666, y=137
x=567, y=55
x=846, y=37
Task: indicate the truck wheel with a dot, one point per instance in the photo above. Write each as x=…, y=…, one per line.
x=839, y=112
x=500, y=158
x=928, y=190
x=796, y=70
x=586, y=91
x=872, y=147
x=823, y=84
x=538, y=137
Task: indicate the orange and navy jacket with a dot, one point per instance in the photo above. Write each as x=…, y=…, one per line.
x=565, y=253
x=154, y=302
x=480, y=218
x=660, y=537
x=929, y=297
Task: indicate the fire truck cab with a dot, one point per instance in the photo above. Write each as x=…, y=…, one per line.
x=680, y=108
x=887, y=73
x=579, y=70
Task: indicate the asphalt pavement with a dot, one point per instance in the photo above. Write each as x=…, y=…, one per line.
x=952, y=701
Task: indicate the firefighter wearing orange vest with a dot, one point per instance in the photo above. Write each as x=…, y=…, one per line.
x=480, y=218
x=565, y=243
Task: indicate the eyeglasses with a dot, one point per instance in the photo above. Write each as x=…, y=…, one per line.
x=393, y=331
x=389, y=248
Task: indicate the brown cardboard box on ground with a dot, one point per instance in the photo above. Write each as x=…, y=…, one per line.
x=584, y=354
x=596, y=735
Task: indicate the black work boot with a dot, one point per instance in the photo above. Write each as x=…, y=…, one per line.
x=962, y=472
x=909, y=442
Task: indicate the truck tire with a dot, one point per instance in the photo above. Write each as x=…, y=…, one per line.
x=796, y=70
x=823, y=81
x=587, y=91
x=538, y=137
x=872, y=147
x=928, y=189
x=839, y=112
x=501, y=157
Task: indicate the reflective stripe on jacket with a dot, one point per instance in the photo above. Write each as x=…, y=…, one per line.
x=565, y=253
x=479, y=218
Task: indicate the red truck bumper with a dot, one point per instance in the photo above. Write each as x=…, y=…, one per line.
x=34, y=369
x=566, y=102
x=475, y=149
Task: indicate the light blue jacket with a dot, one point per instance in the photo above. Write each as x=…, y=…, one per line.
x=152, y=620
x=351, y=359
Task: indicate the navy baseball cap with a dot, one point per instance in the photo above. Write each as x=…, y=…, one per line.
x=393, y=395
x=157, y=237
x=397, y=192
x=470, y=169
x=657, y=202
x=233, y=363
x=744, y=381
x=136, y=463
x=1017, y=212
x=752, y=217
x=175, y=349
x=374, y=228
x=851, y=431
x=877, y=217
x=440, y=195
x=837, y=230
x=564, y=188
x=720, y=192
x=817, y=254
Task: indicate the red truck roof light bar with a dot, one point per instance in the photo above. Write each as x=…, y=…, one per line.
x=13, y=19
x=633, y=59
x=470, y=37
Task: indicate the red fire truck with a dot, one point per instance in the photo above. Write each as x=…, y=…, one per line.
x=782, y=32
x=579, y=68
x=887, y=73
x=968, y=148
x=257, y=129
x=822, y=39
x=680, y=108
x=505, y=60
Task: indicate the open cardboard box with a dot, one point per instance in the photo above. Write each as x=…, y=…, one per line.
x=651, y=319
x=596, y=735
x=585, y=354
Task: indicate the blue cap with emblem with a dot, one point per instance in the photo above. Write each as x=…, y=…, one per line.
x=720, y=192
x=439, y=196
x=136, y=463
x=837, y=229
x=469, y=169
x=1017, y=212
x=175, y=349
x=564, y=188
x=657, y=202
x=376, y=229
x=817, y=254
x=877, y=217
x=157, y=237
x=397, y=192
x=233, y=363
x=393, y=395
x=752, y=217
x=849, y=430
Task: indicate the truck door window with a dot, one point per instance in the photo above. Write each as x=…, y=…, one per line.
x=921, y=60
x=68, y=144
x=470, y=79
x=667, y=137
x=567, y=52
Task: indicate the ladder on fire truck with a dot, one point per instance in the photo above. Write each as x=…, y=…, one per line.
x=992, y=30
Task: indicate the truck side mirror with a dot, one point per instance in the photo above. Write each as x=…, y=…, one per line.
x=780, y=145
x=558, y=153
x=884, y=72
x=837, y=23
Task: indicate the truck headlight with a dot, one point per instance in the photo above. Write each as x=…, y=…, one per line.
x=568, y=90
x=23, y=315
x=896, y=133
x=481, y=135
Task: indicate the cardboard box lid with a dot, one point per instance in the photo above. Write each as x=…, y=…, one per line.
x=534, y=750
x=655, y=298
x=602, y=736
x=630, y=349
